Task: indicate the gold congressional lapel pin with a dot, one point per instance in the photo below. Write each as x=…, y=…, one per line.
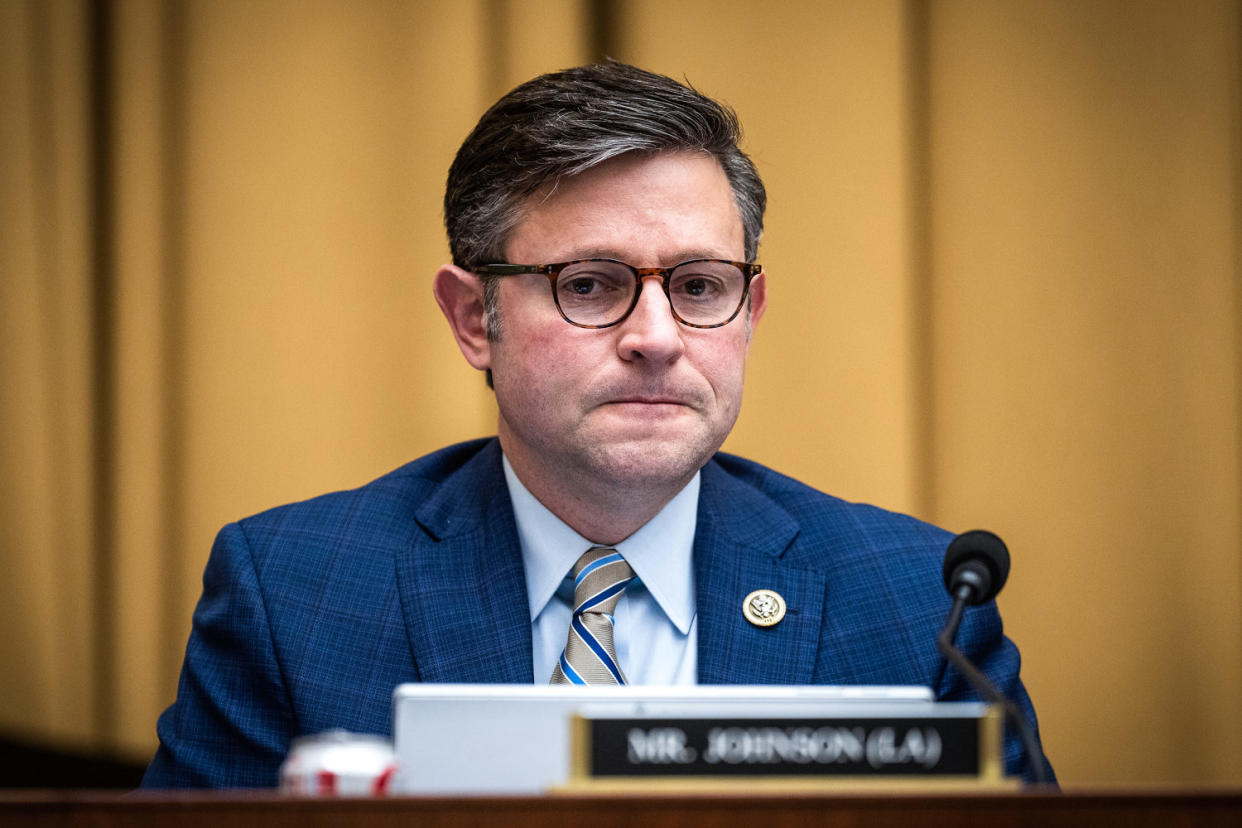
x=764, y=608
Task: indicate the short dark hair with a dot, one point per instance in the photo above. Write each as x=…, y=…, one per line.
x=564, y=123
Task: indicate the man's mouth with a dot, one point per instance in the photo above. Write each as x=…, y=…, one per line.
x=647, y=408
x=649, y=401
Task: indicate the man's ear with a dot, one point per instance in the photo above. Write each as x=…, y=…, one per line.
x=460, y=297
x=758, y=302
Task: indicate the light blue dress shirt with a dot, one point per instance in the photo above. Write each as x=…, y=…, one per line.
x=656, y=633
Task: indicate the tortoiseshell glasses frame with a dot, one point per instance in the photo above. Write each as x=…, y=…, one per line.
x=727, y=281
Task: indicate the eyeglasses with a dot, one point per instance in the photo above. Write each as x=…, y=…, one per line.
x=600, y=293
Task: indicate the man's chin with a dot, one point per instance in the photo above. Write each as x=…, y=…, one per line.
x=650, y=462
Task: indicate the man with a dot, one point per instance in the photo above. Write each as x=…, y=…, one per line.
x=604, y=227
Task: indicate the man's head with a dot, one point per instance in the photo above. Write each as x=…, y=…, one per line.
x=564, y=123
x=605, y=422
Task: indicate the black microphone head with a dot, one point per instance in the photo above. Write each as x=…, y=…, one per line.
x=977, y=559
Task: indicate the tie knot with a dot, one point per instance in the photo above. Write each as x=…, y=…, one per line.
x=600, y=576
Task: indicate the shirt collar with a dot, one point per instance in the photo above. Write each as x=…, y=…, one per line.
x=660, y=552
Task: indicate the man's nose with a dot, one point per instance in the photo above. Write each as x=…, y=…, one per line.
x=651, y=332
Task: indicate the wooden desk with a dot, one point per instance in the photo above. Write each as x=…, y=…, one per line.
x=241, y=810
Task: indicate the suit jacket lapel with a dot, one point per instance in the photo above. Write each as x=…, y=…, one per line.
x=739, y=545
x=462, y=582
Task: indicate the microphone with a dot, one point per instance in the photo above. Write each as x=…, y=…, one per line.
x=976, y=566
x=976, y=561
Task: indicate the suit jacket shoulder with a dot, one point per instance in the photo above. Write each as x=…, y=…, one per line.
x=863, y=586
x=312, y=612
x=830, y=522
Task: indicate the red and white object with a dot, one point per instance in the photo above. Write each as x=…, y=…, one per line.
x=338, y=763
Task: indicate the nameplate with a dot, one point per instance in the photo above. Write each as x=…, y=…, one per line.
x=960, y=747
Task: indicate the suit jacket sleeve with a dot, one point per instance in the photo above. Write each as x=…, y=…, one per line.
x=232, y=721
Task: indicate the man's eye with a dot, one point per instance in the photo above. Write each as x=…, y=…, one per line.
x=583, y=286
x=591, y=284
x=698, y=287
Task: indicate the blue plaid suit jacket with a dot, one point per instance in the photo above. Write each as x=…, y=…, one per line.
x=312, y=613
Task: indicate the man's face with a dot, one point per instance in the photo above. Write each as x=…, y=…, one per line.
x=645, y=402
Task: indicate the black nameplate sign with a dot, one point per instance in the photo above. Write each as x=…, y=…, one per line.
x=893, y=746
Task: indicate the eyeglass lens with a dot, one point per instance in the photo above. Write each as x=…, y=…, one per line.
x=600, y=292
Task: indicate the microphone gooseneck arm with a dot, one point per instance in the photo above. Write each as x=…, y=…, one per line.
x=970, y=582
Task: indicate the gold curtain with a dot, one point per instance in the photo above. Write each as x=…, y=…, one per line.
x=48, y=363
x=1011, y=231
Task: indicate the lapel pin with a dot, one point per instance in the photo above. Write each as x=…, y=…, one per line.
x=764, y=608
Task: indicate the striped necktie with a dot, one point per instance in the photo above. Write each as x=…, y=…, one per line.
x=600, y=576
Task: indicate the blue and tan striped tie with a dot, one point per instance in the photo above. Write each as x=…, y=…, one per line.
x=600, y=576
